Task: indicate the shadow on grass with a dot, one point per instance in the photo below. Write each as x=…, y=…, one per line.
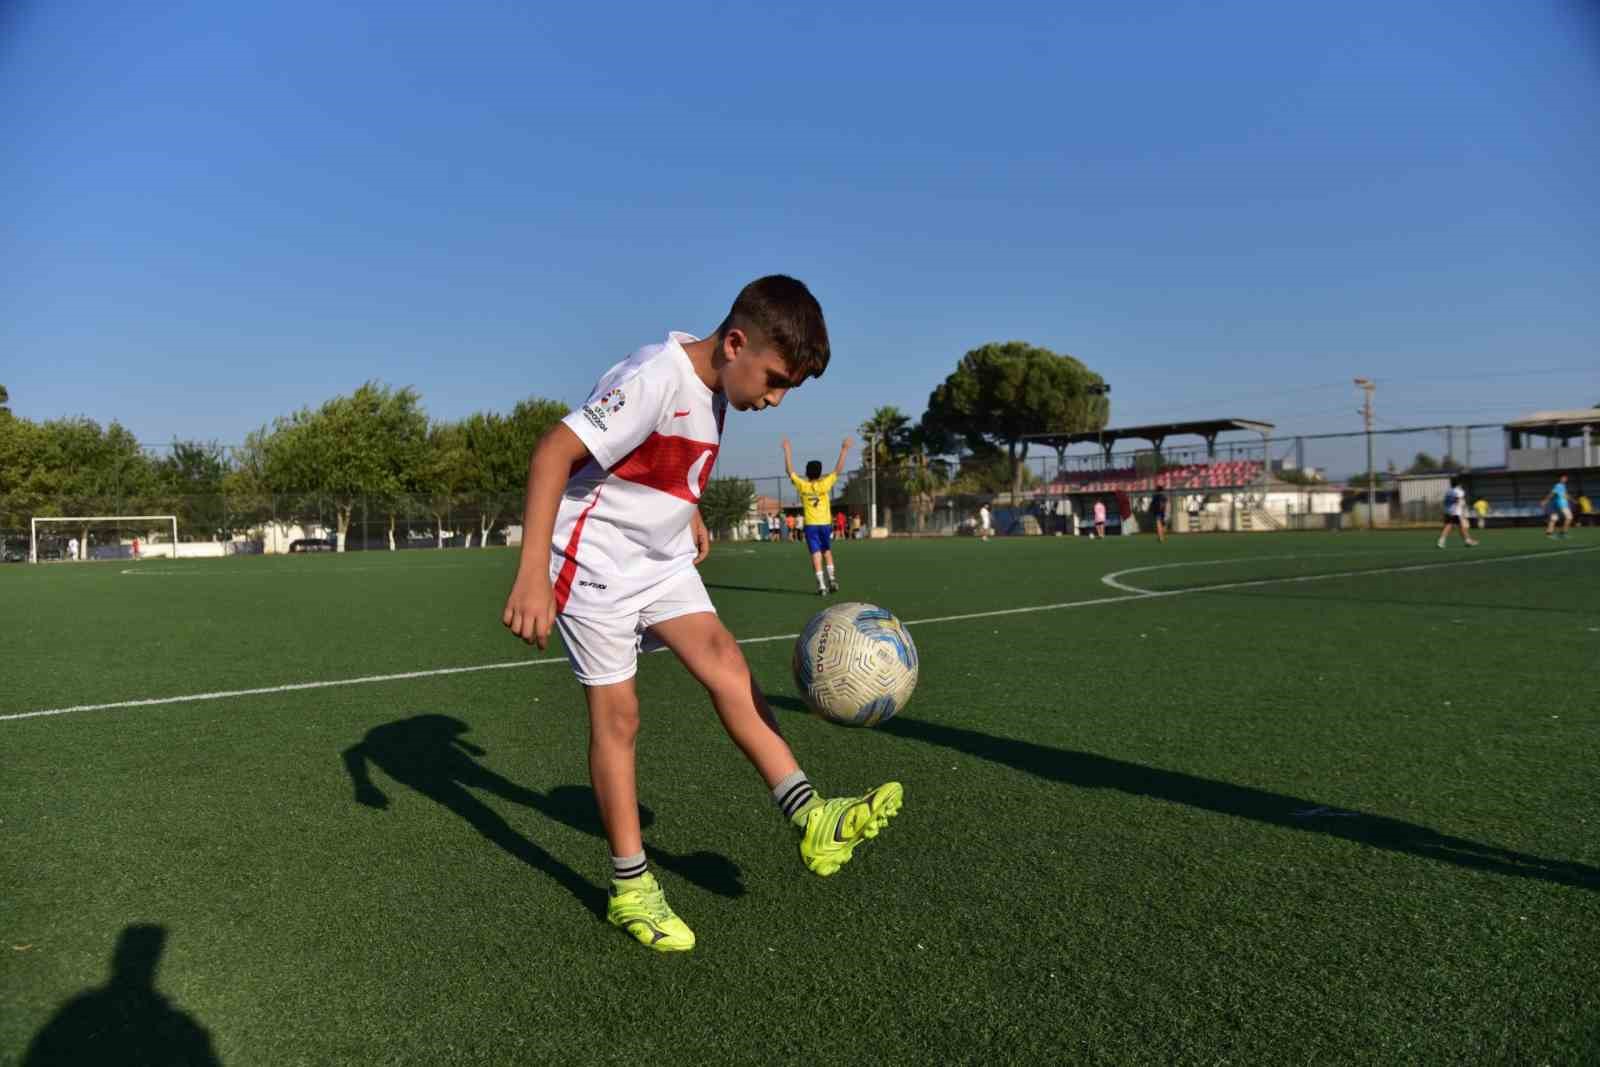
x=428, y=754
x=1089, y=771
x=761, y=589
x=125, y=1021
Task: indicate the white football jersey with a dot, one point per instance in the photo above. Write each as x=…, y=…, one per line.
x=653, y=429
x=1455, y=501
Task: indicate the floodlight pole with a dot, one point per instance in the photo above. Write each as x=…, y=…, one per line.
x=1368, y=386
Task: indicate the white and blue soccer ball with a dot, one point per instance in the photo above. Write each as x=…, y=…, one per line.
x=855, y=664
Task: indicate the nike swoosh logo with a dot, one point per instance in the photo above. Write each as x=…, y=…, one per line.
x=679, y=414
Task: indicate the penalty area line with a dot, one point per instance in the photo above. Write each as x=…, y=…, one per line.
x=1133, y=595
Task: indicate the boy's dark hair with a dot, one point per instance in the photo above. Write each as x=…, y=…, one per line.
x=782, y=310
x=813, y=470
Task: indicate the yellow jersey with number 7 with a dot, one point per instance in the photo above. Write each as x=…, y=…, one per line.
x=814, y=498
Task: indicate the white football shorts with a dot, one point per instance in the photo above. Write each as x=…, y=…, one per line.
x=606, y=651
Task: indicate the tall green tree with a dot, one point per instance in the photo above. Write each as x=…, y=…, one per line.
x=189, y=483
x=726, y=503
x=444, y=473
x=349, y=448
x=499, y=447
x=885, y=436
x=1001, y=393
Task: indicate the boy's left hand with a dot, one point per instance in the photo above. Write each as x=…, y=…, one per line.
x=702, y=536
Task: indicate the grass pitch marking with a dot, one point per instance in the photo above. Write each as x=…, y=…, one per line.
x=1132, y=594
x=1138, y=593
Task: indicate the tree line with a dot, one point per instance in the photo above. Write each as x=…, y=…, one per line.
x=377, y=448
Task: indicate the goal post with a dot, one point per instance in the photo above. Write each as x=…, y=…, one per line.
x=55, y=536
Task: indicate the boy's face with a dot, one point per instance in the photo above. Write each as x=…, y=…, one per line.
x=754, y=374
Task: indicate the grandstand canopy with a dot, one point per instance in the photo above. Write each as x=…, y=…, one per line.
x=1557, y=422
x=1155, y=433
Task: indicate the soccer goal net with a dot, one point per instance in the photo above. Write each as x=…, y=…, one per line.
x=65, y=538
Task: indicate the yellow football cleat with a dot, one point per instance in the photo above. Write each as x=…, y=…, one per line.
x=833, y=828
x=641, y=909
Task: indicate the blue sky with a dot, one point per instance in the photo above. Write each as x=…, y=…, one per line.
x=218, y=212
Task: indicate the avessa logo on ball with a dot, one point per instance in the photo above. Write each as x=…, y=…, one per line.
x=855, y=664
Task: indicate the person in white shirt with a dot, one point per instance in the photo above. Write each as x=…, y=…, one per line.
x=985, y=531
x=1455, y=514
x=614, y=535
x=72, y=548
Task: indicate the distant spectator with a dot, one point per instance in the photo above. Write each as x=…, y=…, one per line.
x=839, y=523
x=135, y=548
x=1586, y=509
x=855, y=525
x=985, y=531
x=1099, y=518
x=1158, y=512
x=1481, y=506
x=72, y=548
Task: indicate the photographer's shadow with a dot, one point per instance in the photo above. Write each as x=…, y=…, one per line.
x=127, y=1020
x=428, y=754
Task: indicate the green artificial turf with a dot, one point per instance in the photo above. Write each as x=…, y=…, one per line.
x=1264, y=817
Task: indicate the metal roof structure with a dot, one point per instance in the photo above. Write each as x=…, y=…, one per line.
x=1155, y=433
x=1574, y=419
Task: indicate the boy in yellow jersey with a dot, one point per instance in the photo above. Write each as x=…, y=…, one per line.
x=814, y=490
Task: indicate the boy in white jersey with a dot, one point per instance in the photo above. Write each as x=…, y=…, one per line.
x=613, y=538
x=1455, y=514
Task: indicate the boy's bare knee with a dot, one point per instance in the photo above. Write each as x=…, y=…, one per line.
x=614, y=717
x=727, y=667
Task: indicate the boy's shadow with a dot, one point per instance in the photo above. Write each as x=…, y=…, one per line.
x=125, y=1021
x=428, y=754
x=1088, y=771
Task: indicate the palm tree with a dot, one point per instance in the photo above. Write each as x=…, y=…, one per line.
x=887, y=431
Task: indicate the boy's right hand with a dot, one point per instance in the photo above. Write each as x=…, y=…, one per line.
x=530, y=609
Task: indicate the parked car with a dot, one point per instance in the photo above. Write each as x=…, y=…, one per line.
x=313, y=544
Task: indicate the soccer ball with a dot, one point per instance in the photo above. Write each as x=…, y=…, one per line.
x=855, y=664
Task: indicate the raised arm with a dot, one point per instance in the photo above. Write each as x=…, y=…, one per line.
x=844, y=450
x=788, y=458
x=530, y=610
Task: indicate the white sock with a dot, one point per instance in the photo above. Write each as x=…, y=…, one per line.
x=820, y=583
x=830, y=572
x=626, y=868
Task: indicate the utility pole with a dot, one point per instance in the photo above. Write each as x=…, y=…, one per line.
x=872, y=464
x=1368, y=386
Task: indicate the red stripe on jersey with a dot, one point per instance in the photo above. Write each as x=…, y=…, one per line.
x=569, y=563
x=680, y=466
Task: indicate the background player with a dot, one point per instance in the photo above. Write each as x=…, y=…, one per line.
x=1555, y=502
x=814, y=490
x=1455, y=514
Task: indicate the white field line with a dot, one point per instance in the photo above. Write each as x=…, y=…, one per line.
x=1133, y=595
x=1111, y=579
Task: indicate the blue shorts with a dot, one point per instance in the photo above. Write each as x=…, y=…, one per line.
x=819, y=538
